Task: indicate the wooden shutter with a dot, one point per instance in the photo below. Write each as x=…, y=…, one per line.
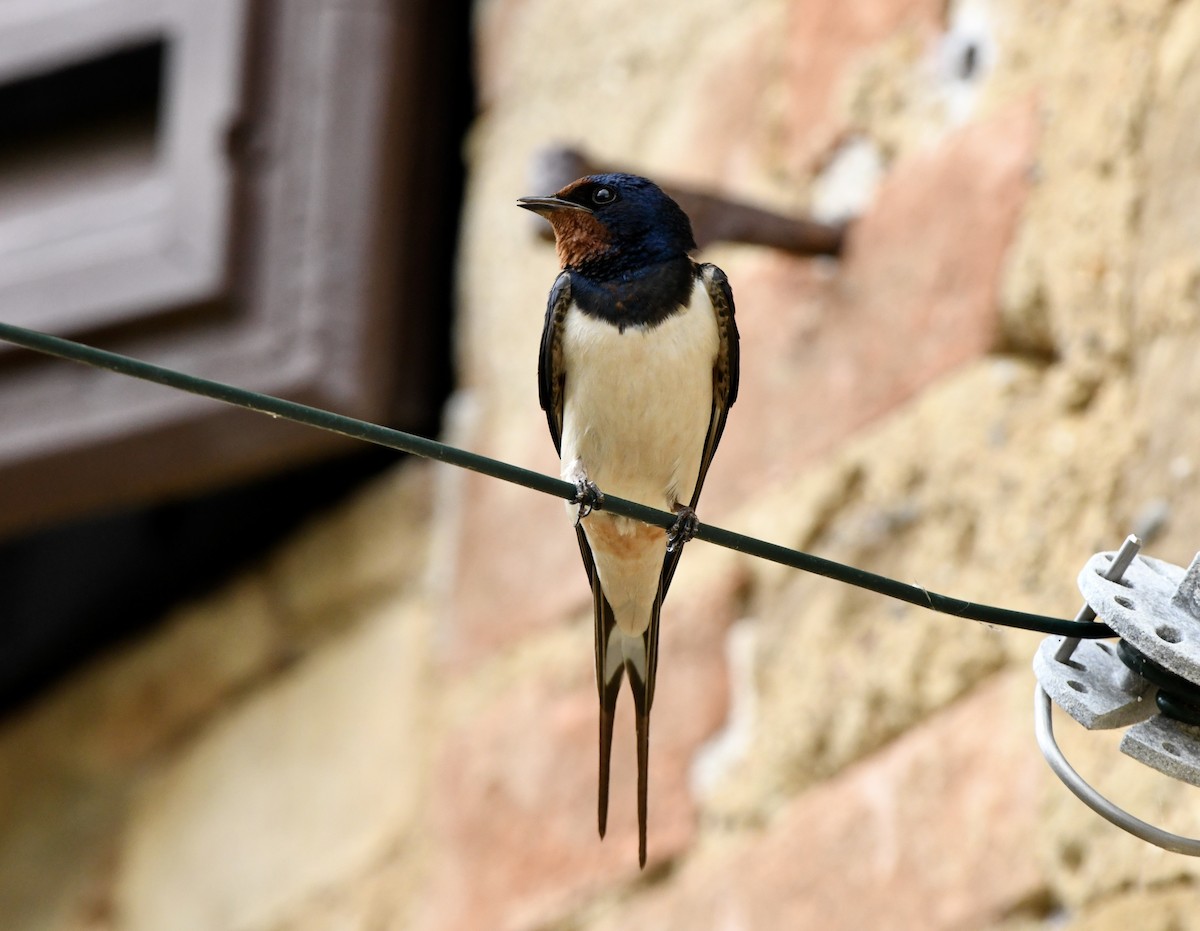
x=210, y=185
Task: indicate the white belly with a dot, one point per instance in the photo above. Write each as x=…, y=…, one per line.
x=635, y=417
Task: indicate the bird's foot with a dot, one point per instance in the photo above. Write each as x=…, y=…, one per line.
x=588, y=497
x=685, y=527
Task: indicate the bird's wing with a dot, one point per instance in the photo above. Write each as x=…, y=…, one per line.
x=552, y=385
x=552, y=380
x=552, y=376
x=726, y=371
x=725, y=367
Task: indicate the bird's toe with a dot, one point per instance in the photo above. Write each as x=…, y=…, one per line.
x=588, y=497
x=683, y=530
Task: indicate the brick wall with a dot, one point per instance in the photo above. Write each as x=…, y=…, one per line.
x=390, y=723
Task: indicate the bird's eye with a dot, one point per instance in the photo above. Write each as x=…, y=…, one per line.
x=603, y=195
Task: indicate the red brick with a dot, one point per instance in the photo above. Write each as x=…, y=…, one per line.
x=514, y=800
x=915, y=297
x=935, y=832
x=825, y=39
x=517, y=569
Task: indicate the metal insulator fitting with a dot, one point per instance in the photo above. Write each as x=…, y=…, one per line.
x=1149, y=682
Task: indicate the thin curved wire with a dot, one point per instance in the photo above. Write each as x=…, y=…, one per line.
x=1043, y=728
x=441, y=452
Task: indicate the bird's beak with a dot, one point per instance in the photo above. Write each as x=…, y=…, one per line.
x=548, y=205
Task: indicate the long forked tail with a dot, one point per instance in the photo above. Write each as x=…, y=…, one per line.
x=641, y=705
x=618, y=655
x=608, y=705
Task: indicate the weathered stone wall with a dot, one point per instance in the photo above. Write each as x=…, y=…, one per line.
x=391, y=722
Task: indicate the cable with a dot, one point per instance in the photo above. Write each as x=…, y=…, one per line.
x=432, y=449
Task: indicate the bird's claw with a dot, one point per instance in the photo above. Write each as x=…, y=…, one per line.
x=588, y=497
x=685, y=527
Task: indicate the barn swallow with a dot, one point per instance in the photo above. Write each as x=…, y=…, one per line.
x=637, y=372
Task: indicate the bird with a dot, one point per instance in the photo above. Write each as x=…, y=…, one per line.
x=637, y=371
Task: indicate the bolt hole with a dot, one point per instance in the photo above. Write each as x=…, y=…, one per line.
x=1123, y=582
x=1108, y=557
x=1170, y=748
x=1077, y=686
x=1168, y=633
x=1123, y=602
x=1105, y=648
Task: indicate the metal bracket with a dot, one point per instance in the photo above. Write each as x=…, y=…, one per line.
x=1094, y=687
x=1149, y=682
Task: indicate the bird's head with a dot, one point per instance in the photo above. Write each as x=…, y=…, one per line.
x=612, y=220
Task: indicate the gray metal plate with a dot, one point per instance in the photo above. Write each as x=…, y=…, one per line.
x=1144, y=610
x=1169, y=746
x=1094, y=687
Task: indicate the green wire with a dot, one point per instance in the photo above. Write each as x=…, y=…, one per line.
x=432, y=449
